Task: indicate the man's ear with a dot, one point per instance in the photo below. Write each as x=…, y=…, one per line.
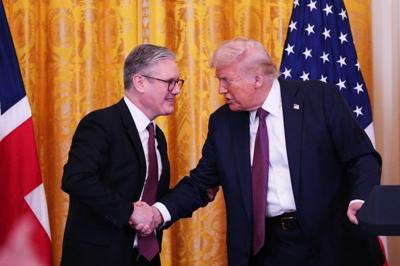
x=138, y=83
x=259, y=79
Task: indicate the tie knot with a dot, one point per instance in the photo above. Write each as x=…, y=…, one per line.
x=261, y=113
x=150, y=128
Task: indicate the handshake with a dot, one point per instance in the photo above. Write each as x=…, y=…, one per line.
x=145, y=218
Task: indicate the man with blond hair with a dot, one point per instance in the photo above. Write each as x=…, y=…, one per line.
x=291, y=159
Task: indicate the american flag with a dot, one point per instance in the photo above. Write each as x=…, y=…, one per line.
x=319, y=46
x=24, y=224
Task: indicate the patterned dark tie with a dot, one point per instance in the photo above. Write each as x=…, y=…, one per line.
x=259, y=182
x=148, y=245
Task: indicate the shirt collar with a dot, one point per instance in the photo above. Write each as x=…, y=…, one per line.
x=140, y=119
x=273, y=102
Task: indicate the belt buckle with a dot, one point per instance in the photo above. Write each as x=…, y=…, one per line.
x=288, y=223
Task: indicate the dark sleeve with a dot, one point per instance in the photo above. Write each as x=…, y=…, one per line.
x=191, y=192
x=362, y=162
x=88, y=156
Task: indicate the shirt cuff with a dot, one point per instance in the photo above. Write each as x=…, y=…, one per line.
x=164, y=212
x=356, y=200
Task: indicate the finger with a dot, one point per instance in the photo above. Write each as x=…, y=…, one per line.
x=352, y=218
x=354, y=221
x=145, y=229
x=139, y=227
x=142, y=203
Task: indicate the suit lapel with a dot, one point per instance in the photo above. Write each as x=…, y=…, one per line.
x=292, y=106
x=133, y=134
x=239, y=126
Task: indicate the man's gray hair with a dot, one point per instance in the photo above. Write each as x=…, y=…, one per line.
x=142, y=57
x=248, y=54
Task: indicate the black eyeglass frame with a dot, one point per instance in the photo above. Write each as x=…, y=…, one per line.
x=171, y=83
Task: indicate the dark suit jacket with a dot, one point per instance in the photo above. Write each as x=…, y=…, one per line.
x=331, y=160
x=104, y=174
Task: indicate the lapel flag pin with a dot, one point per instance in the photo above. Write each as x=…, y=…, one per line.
x=296, y=106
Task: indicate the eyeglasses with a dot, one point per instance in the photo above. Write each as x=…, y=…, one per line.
x=171, y=82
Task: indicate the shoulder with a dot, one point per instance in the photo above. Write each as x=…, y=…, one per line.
x=222, y=111
x=102, y=120
x=312, y=90
x=223, y=119
x=107, y=114
x=221, y=116
x=225, y=112
x=309, y=86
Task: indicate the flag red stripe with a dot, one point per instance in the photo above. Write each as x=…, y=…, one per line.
x=19, y=170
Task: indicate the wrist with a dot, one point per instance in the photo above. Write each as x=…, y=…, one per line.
x=157, y=217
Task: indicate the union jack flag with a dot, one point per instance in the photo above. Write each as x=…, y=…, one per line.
x=24, y=224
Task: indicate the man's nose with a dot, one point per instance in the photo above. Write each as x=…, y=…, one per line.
x=176, y=89
x=222, y=89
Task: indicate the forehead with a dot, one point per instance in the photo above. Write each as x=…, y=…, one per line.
x=166, y=68
x=227, y=71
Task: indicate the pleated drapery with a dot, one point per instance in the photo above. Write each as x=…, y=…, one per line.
x=71, y=55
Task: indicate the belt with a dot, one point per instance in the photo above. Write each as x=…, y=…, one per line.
x=286, y=221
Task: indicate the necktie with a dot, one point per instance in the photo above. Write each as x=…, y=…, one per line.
x=148, y=245
x=259, y=181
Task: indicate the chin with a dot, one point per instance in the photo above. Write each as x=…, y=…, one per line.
x=168, y=111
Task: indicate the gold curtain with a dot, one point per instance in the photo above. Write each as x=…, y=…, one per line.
x=71, y=55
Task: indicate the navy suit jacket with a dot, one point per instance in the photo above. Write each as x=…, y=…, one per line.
x=104, y=174
x=331, y=161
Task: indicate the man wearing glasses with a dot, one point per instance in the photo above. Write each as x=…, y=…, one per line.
x=118, y=156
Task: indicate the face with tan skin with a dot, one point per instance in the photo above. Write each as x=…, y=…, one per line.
x=243, y=90
x=151, y=95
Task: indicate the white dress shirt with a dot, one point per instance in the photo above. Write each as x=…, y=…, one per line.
x=280, y=197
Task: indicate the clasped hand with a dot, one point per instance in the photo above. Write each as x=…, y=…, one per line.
x=144, y=218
